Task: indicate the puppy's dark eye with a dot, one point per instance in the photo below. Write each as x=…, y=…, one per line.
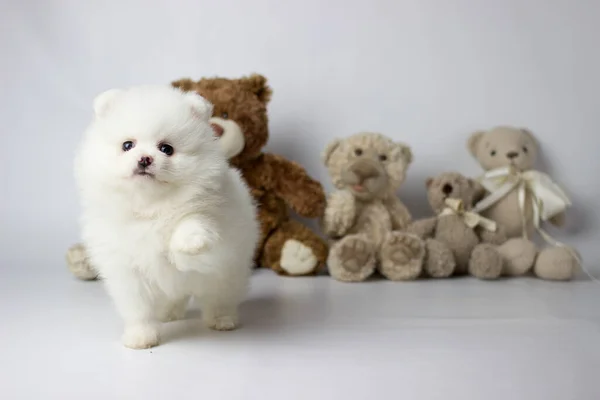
x=525, y=150
x=383, y=157
x=493, y=153
x=167, y=149
x=225, y=115
x=128, y=145
x=358, y=152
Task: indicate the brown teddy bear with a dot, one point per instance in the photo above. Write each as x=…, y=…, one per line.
x=364, y=217
x=519, y=199
x=458, y=241
x=277, y=184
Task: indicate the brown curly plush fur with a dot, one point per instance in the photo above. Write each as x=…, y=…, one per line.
x=277, y=184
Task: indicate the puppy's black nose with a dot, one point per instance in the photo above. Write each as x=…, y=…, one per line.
x=447, y=188
x=145, y=162
x=512, y=154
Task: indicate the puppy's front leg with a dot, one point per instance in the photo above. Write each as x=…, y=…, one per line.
x=193, y=235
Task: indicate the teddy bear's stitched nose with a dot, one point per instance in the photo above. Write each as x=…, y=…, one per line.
x=364, y=171
x=512, y=154
x=447, y=188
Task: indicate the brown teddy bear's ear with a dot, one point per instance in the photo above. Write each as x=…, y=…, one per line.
x=257, y=84
x=329, y=149
x=474, y=141
x=428, y=182
x=184, y=84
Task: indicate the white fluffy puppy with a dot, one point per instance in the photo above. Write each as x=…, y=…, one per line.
x=164, y=217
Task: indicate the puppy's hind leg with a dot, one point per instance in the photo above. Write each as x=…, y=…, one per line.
x=220, y=297
x=172, y=310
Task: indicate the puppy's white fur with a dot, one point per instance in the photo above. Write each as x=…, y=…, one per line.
x=187, y=227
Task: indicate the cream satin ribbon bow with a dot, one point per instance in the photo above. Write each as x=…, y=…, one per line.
x=471, y=219
x=546, y=197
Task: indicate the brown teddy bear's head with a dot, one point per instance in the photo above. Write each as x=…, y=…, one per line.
x=239, y=115
x=450, y=185
x=370, y=165
x=504, y=146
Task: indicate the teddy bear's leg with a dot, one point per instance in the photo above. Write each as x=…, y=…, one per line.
x=79, y=263
x=485, y=262
x=519, y=256
x=401, y=256
x=352, y=259
x=294, y=250
x=439, y=261
x=555, y=263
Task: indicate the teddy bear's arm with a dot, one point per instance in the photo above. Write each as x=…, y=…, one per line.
x=291, y=182
x=400, y=215
x=496, y=237
x=340, y=213
x=423, y=228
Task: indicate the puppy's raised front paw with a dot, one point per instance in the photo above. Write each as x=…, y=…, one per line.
x=192, y=244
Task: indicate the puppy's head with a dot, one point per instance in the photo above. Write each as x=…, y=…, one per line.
x=150, y=136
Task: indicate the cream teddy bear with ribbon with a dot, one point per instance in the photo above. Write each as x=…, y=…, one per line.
x=458, y=241
x=520, y=199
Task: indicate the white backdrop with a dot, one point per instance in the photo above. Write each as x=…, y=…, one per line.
x=427, y=72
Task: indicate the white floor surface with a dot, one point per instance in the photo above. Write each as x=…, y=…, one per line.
x=311, y=338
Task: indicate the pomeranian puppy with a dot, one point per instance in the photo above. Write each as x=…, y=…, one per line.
x=164, y=217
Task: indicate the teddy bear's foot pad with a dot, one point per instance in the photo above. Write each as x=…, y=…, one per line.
x=402, y=256
x=297, y=258
x=352, y=259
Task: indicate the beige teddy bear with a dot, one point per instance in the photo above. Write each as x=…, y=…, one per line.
x=364, y=216
x=516, y=196
x=458, y=241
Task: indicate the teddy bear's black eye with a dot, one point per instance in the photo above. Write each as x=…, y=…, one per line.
x=167, y=149
x=493, y=153
x=128, y=145
x=525, y=149
x=383, y=157
x=358, y=152
x=225, y=115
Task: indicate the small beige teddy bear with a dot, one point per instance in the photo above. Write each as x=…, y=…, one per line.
x=364, y=216
x=458, y=241
x=508, y=155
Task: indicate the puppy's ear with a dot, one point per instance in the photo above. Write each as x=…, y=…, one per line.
x=473, y=142
x=201, y=108
x=104, y=100
x=428, y=182
x=257, y=84
x=329, y=149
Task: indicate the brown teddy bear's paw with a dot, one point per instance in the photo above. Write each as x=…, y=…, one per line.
x=556, y=264
x=402, y=256
x=351, y=259
x=486, y=262
x=439, y=261
x=79, y=264
x=518, y=255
